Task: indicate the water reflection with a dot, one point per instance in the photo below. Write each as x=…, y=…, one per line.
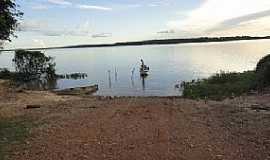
x=132, y=78
x=115, y=75
x=143, y=78
x=39, y=84
x=45, y=83
x=110, y=79
x=170, y=64
x=36, y=71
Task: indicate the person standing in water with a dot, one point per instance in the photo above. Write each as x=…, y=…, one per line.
x=142, y=63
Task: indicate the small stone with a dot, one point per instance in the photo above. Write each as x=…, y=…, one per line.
x=219, y=157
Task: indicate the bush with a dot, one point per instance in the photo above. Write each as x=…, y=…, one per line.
x=32, y=65
x=6, y=74
x=223, y=85
x=263, y=72
x=220, y=85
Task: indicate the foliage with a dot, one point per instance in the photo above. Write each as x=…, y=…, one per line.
x=74, y=76
x=263, y=72
x=33, y=65
x=9, y=15
x=220, y=85
x=35, y=71
x=6, y=74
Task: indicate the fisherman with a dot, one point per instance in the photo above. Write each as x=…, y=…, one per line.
x=143, y=66
x=142, y=63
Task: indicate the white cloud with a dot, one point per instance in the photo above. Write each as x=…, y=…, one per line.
x=60, y=2
x=32, y=25
x=43, y=28
x=40, y=7
x=159, y=3
x=132, y=5
x=153, y=5
x=40, y=43
x=92, y=7
x=101, y=35
x=213, y=13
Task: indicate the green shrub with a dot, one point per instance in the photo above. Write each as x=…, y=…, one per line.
x=31, y=65
x=263, y=72
x=220, y=85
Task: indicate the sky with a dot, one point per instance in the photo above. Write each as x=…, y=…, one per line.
x=48, y=23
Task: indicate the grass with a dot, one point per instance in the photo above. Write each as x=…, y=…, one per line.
x=12, y=132
x=220, y=86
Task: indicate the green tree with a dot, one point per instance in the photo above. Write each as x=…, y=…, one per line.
x=263, y=72
x=9, y=16
x=32, y=65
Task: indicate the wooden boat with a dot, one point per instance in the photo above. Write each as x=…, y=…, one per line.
x=144, y=69
x=87, y=90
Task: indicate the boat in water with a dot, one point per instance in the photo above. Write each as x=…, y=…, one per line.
x=144, y=69
x=87, y=90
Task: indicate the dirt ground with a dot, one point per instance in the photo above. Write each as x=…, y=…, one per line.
x=96, y=128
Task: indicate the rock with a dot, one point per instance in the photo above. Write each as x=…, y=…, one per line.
x=219, y=157
x=19, y=90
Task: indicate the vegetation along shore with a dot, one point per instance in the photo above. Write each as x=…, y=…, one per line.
x=223, y=85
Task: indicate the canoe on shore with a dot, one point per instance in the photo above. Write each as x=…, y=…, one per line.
x=87, y=90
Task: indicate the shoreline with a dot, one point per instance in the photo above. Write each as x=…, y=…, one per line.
x=48, y=126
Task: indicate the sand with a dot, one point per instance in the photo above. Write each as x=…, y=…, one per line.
x=151, y=128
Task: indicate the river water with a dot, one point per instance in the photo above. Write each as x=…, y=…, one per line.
x=111, y=68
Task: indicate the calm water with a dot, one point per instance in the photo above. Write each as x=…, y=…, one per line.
x=111, y=68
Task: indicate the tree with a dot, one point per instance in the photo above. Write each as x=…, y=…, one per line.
x=263, y=72
x=9, y=16
x=31, y=65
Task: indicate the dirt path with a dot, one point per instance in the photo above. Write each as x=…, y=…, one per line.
x=96, y=128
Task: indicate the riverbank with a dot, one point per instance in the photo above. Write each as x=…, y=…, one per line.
x=89, y=127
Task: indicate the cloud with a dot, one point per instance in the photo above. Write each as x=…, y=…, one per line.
x=131, y=6
x=43, y=28
x=32, y=25
x=40, y=7
x=40, y=43
x=159, y=3
x=93, y=7
x=155, y=3
x=218, y=15
x=101, y=35
x=171, y=31
x=238, y=21
x=60, y=2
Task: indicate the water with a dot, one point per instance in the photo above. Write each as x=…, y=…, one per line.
x=111, y=68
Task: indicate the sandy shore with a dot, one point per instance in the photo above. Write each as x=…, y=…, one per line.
x=78, y=128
